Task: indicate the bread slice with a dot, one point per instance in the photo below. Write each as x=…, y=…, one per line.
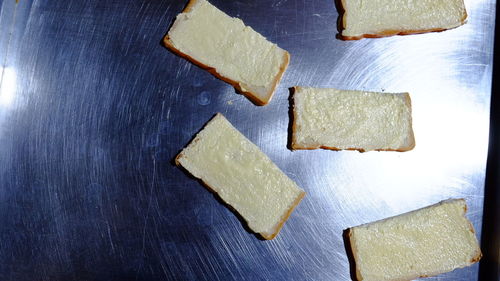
x=242, y=175
x=228, y=49
x=421, y=243
x=354, y=120
x=379, y=18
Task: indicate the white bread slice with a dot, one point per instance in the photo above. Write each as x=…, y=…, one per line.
x=353, y=120
x=421, y=243
x=379, y=18
x=242, y=175
x=228, y=49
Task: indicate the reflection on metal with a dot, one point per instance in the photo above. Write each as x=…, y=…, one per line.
x=7, y=86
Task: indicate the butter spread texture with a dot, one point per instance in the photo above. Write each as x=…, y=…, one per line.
x=236, y=51
x=242, y=175
x=428, y=241
x=378, y=16
x=351, y=119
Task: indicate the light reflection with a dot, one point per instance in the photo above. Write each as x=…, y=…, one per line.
x=7, y=87
x=451, y=146
x=449, y=88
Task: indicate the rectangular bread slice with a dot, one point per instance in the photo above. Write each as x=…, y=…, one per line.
x=421, y=243
x=379, y=18
x=228, y=49
x=242, y=175
x=354, y=120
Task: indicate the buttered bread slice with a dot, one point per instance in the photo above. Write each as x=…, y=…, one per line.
x=378, y=18
x=228, y=49
x=421, y=243
x=242, y=175
x=354, y=120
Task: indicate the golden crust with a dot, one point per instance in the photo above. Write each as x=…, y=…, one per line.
x=294, y=121
x=387, y=33
x=296, y=146
x=479, y=253
x=189, y=6
x=250, y=95
x=299, y=147
x=277, y=79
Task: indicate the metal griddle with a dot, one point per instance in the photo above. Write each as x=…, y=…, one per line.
x=93, y=109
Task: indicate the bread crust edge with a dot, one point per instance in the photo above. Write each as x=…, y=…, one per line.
x=253, y=97
x=189, y=6
x=352, y=245
x=387, y=33
x=293, y=142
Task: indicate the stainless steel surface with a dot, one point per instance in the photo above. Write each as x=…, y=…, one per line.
x=93, y=109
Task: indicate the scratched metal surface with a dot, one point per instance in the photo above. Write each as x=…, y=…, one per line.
x=93, y=109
